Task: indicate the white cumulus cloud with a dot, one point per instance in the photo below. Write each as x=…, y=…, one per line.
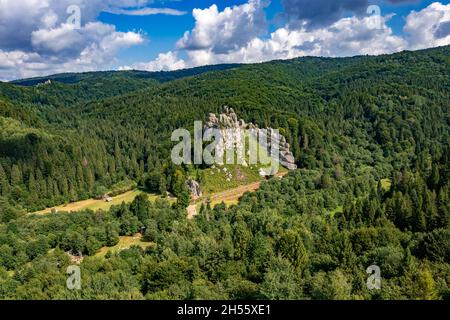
x=37, y=38
x=226, y=30
x=429, y=27
x=345, y=37
x=219, y=37
x=164, y=62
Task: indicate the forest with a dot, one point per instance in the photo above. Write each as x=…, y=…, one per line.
x=370, y=136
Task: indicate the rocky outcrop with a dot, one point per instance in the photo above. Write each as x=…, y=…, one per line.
x=194, y=188
x=46, y=83
x=231, y=126
x=286, y=156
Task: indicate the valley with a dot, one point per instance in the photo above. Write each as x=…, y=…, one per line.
x=366, y=139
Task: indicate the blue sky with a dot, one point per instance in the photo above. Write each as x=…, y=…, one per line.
x=165, y=30
x=38, y=37
x=402, y=10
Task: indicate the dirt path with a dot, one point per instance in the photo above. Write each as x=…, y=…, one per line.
x=192, y=211
x=235, y=193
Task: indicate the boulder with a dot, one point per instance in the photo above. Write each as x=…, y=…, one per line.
x=194, y=188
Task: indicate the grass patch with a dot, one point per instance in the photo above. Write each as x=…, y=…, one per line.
x=94, y=204
x=125, y=242
x=217, y=179
x=338, y=209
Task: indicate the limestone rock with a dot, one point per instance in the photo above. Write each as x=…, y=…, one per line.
x=194, y=188
x=231, y=129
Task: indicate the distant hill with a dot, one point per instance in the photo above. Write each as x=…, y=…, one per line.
x=161, y=76
x=75, y=88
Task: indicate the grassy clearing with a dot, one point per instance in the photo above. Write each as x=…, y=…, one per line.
x=216, y=180
x=125, y=242
x=95, y=205
x=232, y=196
x=229, y=196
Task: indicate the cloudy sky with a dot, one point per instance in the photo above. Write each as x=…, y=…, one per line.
x=41, y=37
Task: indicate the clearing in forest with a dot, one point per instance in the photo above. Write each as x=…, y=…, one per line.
x=94, y=204
x=125, y=242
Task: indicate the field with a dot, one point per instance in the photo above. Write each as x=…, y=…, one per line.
x=215, y=178
x=94, y=204
x=231, y=195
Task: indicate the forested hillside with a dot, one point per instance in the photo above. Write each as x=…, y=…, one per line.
x=370, y=136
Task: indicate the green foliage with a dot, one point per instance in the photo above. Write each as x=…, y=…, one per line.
x=354, y=125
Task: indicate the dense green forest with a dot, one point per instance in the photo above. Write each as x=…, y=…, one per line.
x=353, y=123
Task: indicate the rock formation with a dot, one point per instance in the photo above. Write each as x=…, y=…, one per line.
x=285, y=154
x=194, y=188
x=231, y=128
